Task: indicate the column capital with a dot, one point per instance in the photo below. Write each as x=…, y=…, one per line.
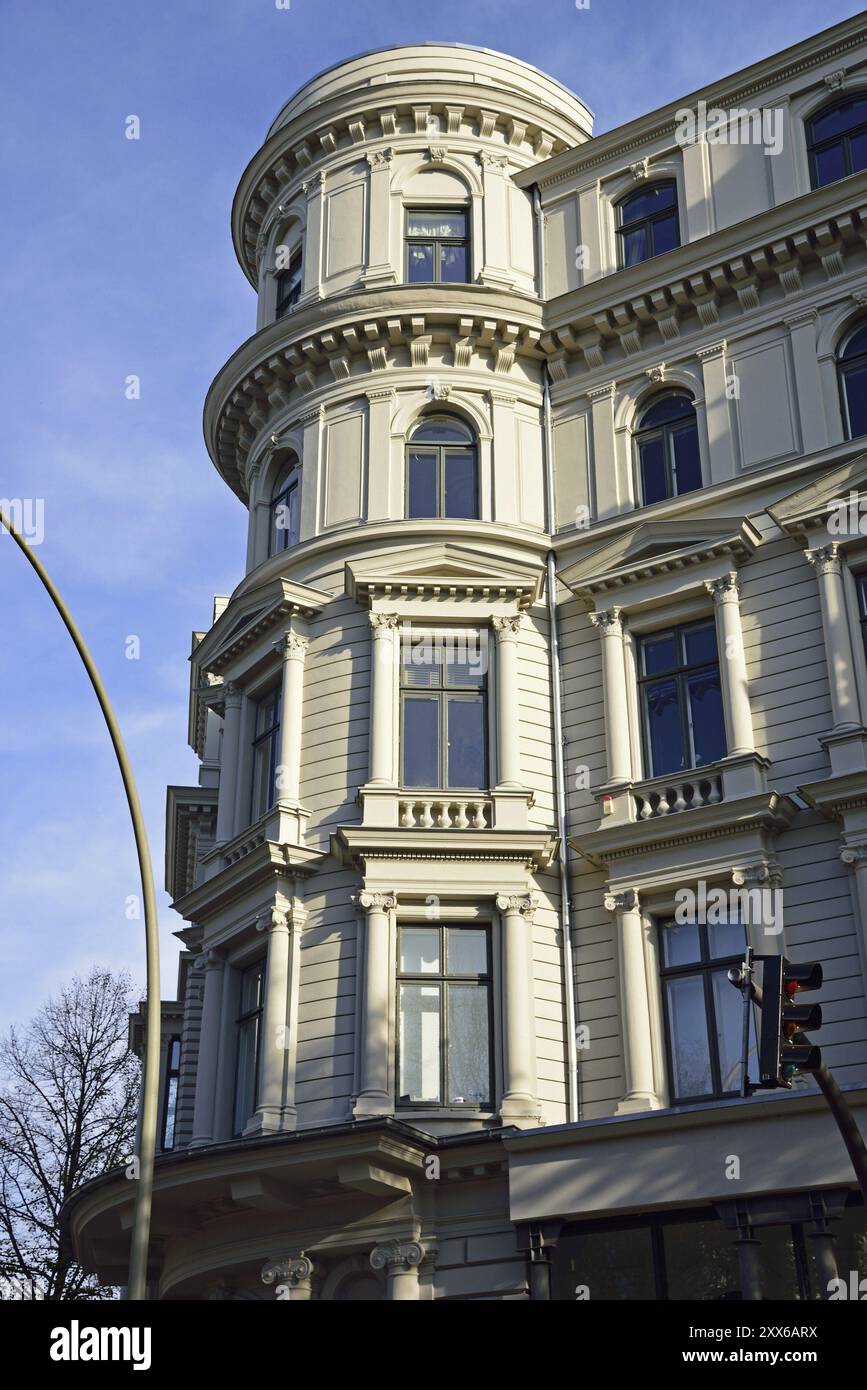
x=292, y=646
x=380, y=159
x=725, y=589
x=395, y=1256
x=608, y=623
x=314, y=185
x=507, y=629
x=624, y=901
x=767, y=875
x=272, y=920
x=496, y=163
x=853, y=855
x=602, y=392
x=516, y=903
x=291, y=1269
x=374, y=902
x=383, y=623
x=707, y=354
x=825, y=559
x=232, y=694
x=209, y=960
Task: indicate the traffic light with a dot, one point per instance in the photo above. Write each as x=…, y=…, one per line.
x=780, y=1055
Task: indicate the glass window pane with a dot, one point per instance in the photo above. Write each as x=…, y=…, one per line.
x=175, y=1054
x=707, y=725
x=245, y=1087
x=664, y=731
x=453, y=265
x=659, y=653
x=251, y=988
x=855, y=387
x=726, y=939
x=422, y=655
x=611, y=1265
x=830, y=165
x=843, y=117
x=635, y=246
x=857, y=344
x=466, y=743
x=419, y=262
x=667, y=409
x=700, y=644
x=460, y=485
x=858, y=152
x=681, y=943
x=442, y=432
x=171, y=1111
x=700, y=1261
x=436, y=224
x=467, y=951
x=729, y=1018
x=264, y=776
x=687, y=1023
x=422, y=499
x=665, y=235
x=468, y=1034
x=419, y=1042
x=420, y=742
x=266, y=713
x=654, y=482
x=656, y=198
x=419, y=951
x=687, y=460
x=466, y=659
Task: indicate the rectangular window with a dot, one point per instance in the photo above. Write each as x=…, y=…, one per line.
x=444, y=1016
x=703, y=1011
x=444, y=712
x=437, y=246
x=248, y=1023
x=170, y=1102
x=861, y=585
x=289, y=284
x=681, y=699
x=266, y=742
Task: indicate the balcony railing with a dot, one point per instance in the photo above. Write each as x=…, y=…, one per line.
x=445, y=813
x=686, y=795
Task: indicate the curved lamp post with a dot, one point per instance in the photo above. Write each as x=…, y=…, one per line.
x=150, y=1077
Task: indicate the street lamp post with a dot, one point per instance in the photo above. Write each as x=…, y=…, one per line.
x=137, y=1288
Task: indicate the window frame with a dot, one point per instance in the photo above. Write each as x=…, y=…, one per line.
x=243, y=1018
x=289, y=481
x=272, y=734
x=437, y=243
x=679, y=674
x=470, y=450
x=706, y=966
x=642, y=434
x=647, y=222
x=295, y=268
x=443, y=979
x=443, y=693
x=816, y=146
x=843, y=367
x=171, y=1074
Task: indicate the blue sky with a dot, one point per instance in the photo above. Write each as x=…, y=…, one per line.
x=117, y=260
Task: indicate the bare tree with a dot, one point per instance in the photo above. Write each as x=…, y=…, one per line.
x=68, y=1098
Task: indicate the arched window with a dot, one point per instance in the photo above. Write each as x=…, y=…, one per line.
x=284, y=509
x=289, y=283
x=837, y=140
x=647, y=222
x=442, y=469
x=852, y=373
x=667, y=445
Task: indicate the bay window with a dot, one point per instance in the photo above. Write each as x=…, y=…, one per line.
x=444, y=1016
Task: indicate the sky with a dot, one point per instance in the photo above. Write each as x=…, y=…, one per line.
x=116, y=261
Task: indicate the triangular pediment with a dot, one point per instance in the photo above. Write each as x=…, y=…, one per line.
x=655, y=546
x=251, y=613
x=443, y=567
x=809, y=506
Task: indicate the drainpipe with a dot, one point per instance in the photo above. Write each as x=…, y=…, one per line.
x=557, y=704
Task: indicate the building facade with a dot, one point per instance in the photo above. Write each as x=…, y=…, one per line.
x=544, y=694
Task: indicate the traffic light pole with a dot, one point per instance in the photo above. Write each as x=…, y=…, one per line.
x=837, y=1103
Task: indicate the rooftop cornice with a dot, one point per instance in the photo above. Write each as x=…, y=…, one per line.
x=736, y=88
x=367, y=329
x=736, y=268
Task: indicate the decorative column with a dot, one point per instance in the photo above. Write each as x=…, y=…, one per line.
x=293, y=649
x=508, y=701
x=828, y=565
x=381, y=271
x=209, y=1048
x=719, y=426
x=519, y=1101
x=811, y=406
x=269, y=1116
x=610, y=629
x=634, y=1003
x=732, y=665
x=854, y=856
x=608, y=495
x=229, y=764
x=292, y=1277
x=312, y=268
x=374, y=1096
x=495, y=270
x=383, y=666
x=400, y=1259
x=380, y=406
